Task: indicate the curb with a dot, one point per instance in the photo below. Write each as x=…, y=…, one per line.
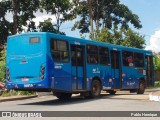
x=155, y=96
x=152, y=90
x=17, y=98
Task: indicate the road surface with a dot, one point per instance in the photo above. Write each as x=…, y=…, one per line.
x=106, y=102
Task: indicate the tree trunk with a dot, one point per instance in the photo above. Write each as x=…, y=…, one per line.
x=91, y=19
x=97, y=16
x=15, y=15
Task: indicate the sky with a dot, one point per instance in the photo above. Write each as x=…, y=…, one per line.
x=147, y=10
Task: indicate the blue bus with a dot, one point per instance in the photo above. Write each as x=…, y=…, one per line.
x=42, y=61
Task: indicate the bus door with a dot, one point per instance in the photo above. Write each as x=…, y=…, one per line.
x=78, y=67
x=116, y=69
x=149, y=70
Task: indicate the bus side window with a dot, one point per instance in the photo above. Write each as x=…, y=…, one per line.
x=127, y=58
x=92, y=54
x=138, y=59
x=104, y=56
x=59, y=50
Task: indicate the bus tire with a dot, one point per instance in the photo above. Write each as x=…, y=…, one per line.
x=111, y=92
x=63, y=96
x=133, y=91
x=141, y=87
x=95, y=89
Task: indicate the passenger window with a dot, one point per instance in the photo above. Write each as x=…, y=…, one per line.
x=92, y=54
x=59, y=50
x=138, y=59
x=104, y=56
x=127, y=57
x=77, y=55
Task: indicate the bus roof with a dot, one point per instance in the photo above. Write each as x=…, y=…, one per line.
x=63, y=37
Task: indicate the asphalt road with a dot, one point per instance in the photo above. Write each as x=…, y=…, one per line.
x=104, y=103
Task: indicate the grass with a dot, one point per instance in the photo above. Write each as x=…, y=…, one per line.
x=16, y=93
x=157, y=84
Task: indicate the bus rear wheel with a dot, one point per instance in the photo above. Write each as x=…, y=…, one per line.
x=141, y=87
x=63, y=96
x=95, y=89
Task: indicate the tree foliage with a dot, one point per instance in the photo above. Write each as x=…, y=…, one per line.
x=133, y=39
x=23, y=12
x=4, y=23
x=156, y=63
x=108, y=21
x=128, y=38
x=106, y=14
x=2, y=65
x=62, y=9
x=47, y=26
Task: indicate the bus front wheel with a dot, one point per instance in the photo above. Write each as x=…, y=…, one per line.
x=95, y=89
x=141, y=87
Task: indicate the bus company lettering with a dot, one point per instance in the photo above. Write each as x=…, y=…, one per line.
x=95, y=70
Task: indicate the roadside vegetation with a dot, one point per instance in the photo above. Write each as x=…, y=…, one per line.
x=2, y=65
x=157, y=84
x=16, y=93
x=157, y=69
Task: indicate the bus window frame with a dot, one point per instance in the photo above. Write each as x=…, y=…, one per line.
x=88, y=54
x=108, y=57
x=143, y=60
x=126, y=58
x=68, y=50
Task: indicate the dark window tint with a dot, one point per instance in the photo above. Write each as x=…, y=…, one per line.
x=127, y=58
x=92, y=54
x=104, y=56
x=115, y=59
x=77, y=55
x=59, y=50
x=92, y=49
x=138, y=59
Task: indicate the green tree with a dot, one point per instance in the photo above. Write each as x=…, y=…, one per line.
x=62, y=9
x=2, y=65
x=31, y=27
x=110, y=14
x=47, y=26
x=156, y=63
x=133, y=39
x=128, y=38
x=23, y=11
x=4, y=23
x=104, y=36
x=22, y=14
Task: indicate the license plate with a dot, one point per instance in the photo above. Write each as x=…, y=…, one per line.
x=25, y=79
x=28, y=85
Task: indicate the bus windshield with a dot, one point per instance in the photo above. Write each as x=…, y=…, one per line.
x=24, y=45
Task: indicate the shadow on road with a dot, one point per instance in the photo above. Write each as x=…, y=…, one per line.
x=57, y=102
x=73, y=100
